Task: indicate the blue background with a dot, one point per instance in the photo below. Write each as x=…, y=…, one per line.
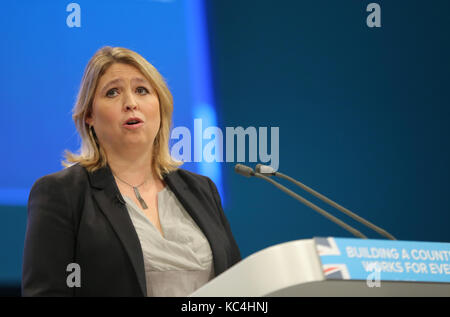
x=363, y=112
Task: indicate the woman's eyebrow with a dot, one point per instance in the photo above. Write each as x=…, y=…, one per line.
x=119, y=80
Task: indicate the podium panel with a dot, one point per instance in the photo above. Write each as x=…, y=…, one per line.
x=295, y=269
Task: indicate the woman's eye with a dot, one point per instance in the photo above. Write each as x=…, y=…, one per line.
x=142, y=90
x=113, y=92
x=110, y=92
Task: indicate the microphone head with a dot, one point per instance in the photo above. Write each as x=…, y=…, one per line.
x=264, y=169
x=244, y=170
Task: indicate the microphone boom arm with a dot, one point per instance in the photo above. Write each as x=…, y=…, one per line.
x=312, y=206
x=337, y=206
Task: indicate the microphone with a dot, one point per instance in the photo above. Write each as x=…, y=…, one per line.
x=244, y=170
x=264, y=169
x=248, y=171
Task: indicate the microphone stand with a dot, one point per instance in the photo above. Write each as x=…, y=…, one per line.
x=248, y=172
x=269, y=171
x=339, y=207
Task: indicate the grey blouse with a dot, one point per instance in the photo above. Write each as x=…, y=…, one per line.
x=180, y=261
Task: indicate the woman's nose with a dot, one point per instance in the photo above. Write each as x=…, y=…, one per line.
x=130, y=107
x=130, y=102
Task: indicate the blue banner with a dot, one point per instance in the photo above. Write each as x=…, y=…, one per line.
x=377, y=260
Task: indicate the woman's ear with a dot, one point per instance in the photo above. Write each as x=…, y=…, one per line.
x=89, y=120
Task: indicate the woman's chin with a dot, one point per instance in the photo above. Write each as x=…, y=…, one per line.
x=136, y=141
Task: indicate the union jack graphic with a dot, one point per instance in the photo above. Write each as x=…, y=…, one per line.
x=326, y=246
x=335, y=272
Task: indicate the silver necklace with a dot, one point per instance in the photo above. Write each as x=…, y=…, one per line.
x=136, y=191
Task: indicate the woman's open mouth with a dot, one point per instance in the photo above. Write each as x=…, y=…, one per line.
x=133, y=123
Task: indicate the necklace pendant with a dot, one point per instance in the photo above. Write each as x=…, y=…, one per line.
x=139, y=198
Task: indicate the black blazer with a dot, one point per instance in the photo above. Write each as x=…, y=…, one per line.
x=80, y=217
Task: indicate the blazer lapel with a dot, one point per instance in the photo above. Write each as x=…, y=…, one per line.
x=203, y=216
x=111, y=203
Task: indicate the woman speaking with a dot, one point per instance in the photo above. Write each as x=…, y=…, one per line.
x=122, y=211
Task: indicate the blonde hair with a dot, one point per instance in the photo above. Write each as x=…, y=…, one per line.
x=91, y=154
